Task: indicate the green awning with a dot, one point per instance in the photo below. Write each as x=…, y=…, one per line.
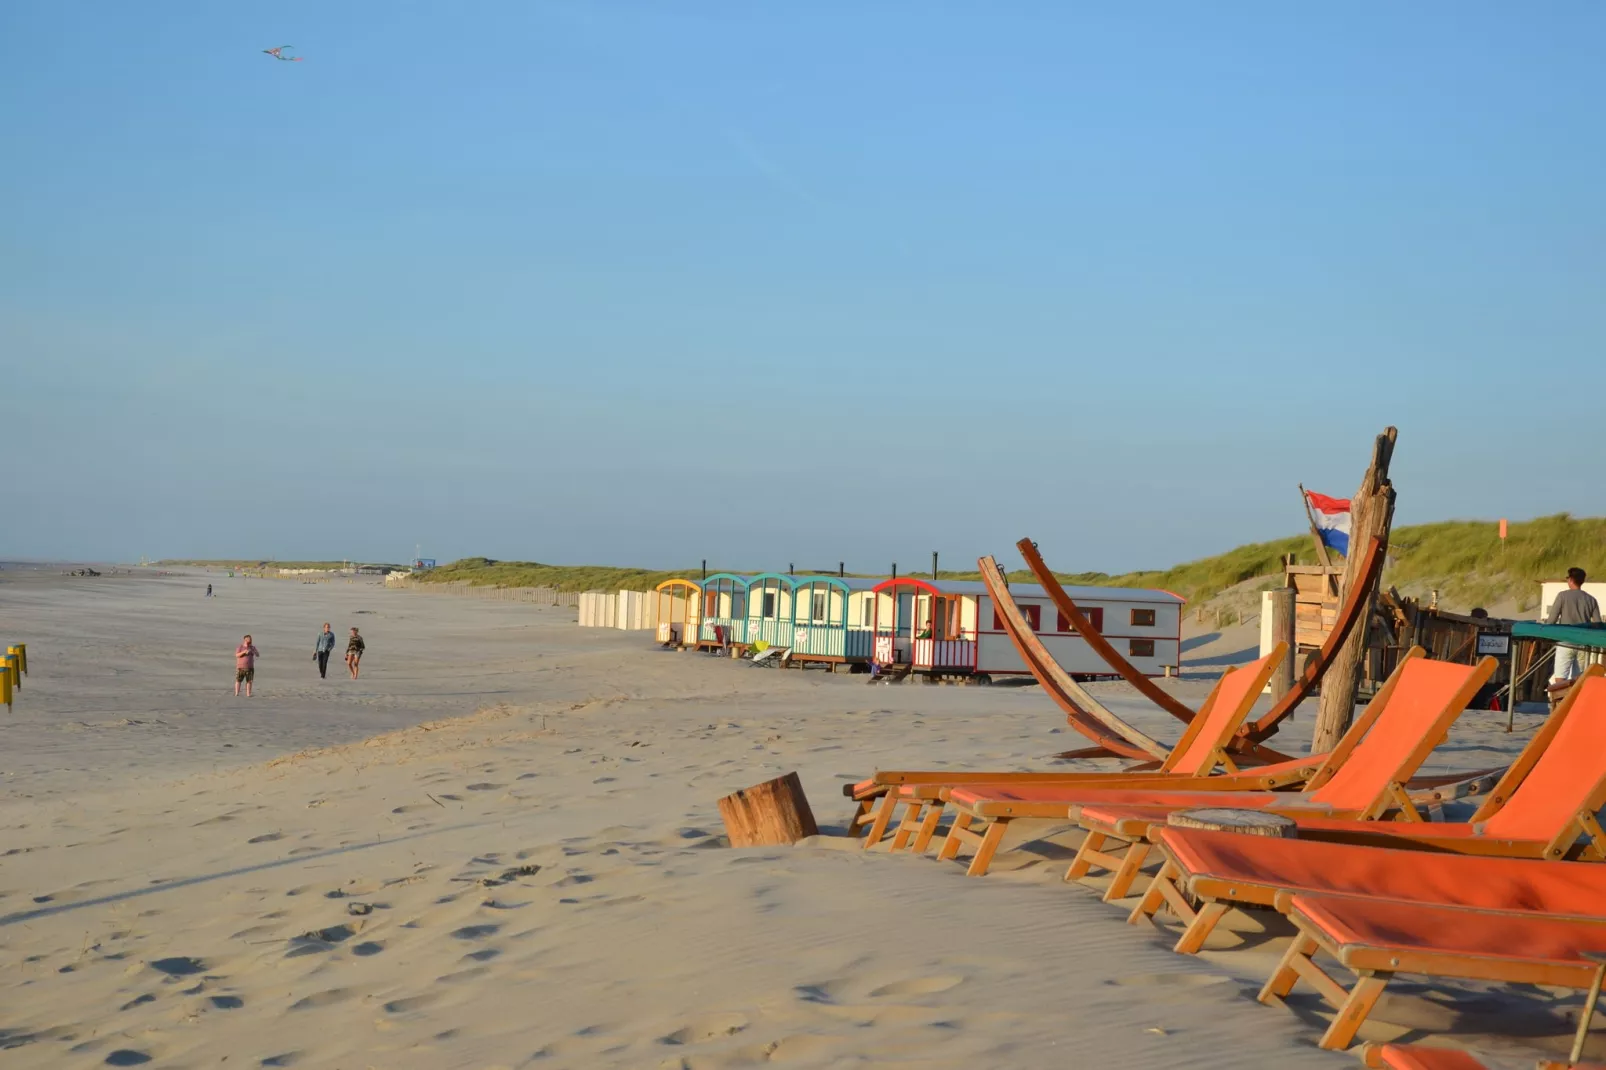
x=1589, y=635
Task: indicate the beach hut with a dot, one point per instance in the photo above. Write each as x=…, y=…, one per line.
x=949, y=627
x=724, y=611
x=816, y=618
x=680, y=603
x=833, y=619
x=769, y=609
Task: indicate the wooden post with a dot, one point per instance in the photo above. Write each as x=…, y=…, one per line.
x=1282, y=631
x=1371, y=514
x=1243, y=822
x=771, y=813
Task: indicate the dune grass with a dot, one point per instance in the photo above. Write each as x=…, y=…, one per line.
x=1463, y=559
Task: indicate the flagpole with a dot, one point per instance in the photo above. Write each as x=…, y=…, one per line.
x=1321, y=547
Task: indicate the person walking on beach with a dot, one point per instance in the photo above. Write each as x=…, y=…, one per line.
x=322, y=649
x=245, y=665
x=209, y=590
x=354, y=648
x=1572, y=606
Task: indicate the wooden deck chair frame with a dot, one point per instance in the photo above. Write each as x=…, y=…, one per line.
x=1130, y=836
x=1200, y=900
x=997, y=817
x=921, y=794
x=1374, y=965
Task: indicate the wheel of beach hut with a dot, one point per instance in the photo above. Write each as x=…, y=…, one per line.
x=1243, y=822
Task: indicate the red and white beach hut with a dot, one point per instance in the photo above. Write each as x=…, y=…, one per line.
x=949, y=627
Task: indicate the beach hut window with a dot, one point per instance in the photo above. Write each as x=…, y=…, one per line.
x=1140, y=648
x=1094, y=615
x=769, y=605
x=822, y=601
x=1143, y=618
x=1033, y=615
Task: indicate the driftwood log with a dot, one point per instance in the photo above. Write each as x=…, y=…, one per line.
x=765, y=815
x=1371, y=516
x=1246, y=822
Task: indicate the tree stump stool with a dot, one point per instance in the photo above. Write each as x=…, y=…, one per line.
x=768, y=814
x=1245, y=822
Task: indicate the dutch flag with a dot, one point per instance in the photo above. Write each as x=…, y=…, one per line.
x=1332, y=520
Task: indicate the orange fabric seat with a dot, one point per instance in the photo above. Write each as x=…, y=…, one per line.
x=1378, y=938
x=1420, y=1057
x=1065, y=797
x=1375, y=933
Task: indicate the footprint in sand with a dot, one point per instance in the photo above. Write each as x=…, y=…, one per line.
x=179, y=966
x=322, y=999
x=485, y=787
x=368, y=947
x=226, y=1003
x=1171, y=980
x=711, y=1027
x=411, y=1003
x=917, y=986
x=266, y=837
x=475, y=932
x=127, y=1057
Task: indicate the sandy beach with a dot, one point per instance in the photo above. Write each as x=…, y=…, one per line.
x=499, y=849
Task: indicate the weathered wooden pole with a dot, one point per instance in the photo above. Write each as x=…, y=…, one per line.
x=1282, y=631
x=1371, y=514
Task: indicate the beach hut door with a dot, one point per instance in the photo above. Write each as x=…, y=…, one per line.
x=903, y=634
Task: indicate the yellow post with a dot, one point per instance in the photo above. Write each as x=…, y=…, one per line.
x=14, y=655
x=5, y=679
x=21, y=650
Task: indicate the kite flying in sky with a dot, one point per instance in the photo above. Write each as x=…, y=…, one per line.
x=279, y=53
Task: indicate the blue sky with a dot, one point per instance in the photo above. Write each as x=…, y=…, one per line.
x=650, y=282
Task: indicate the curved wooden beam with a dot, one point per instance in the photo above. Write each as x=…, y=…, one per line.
x=1357, y=602
x=1084, y=712
x=1101, y=646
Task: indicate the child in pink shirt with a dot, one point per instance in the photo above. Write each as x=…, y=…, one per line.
x=245, y=665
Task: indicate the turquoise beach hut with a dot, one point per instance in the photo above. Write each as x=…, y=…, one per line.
x=817, y=618
x=724, y=617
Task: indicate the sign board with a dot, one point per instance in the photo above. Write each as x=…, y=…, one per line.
x=1497, y=645
x=424, y=562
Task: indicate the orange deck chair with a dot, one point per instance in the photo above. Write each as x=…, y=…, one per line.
x=1201, y=750
x=1378, y=938
x=1364, y=776
x=1541, y=807
x=1422, y=1057
x=1366, y=779
x=1551, y=806
x=1221, y=870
